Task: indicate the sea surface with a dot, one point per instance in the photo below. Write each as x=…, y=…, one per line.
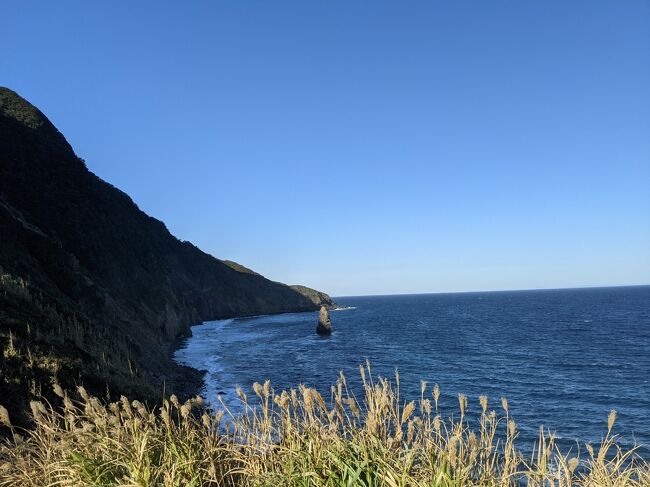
x=563, y=358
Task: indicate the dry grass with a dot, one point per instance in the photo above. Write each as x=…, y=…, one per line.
x=297, y=438
x=43, y=340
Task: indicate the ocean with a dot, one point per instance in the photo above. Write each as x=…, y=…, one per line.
x=563, y=358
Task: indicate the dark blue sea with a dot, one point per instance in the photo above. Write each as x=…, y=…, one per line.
x=563, y=358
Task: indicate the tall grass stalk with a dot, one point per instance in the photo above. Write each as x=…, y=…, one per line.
x=297, y=438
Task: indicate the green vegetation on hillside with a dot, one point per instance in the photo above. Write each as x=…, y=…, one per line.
x=299, y=438
x=316, y=297
x=239, y=267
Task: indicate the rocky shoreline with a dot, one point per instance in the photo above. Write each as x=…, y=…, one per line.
x=187, y=381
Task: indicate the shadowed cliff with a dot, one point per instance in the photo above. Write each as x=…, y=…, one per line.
x=93, y=290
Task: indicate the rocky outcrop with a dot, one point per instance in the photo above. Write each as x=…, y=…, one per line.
x=104, y=289
x=324, y=323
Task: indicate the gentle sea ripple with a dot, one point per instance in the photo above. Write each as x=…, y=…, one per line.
x=563, y=358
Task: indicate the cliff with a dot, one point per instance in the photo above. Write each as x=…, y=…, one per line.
x=92, y=289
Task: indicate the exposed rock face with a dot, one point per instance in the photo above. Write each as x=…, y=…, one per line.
x=93, y=287
x=324, y=323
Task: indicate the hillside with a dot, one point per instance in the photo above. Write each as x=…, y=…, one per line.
x=92, y=289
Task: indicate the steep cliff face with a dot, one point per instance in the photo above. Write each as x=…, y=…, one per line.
x=92, y=282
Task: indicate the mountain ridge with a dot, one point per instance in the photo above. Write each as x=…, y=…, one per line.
x=105, y=288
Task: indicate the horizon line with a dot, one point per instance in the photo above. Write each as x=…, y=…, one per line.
x=575, y=288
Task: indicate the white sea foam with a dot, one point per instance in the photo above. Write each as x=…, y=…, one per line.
x=344, y=308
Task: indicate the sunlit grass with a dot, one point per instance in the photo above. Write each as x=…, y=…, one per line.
x=298, y=438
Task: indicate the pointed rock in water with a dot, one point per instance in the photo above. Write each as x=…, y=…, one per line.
x=324, y=323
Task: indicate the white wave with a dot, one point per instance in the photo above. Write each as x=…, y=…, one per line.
x=344, y=308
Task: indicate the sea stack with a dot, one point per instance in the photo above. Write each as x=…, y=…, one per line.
x=324, y=323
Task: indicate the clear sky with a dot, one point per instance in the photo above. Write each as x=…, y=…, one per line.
x=363, y=147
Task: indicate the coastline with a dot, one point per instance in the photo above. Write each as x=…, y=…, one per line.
x=444, y=339
x=185, y=381
x=188, y=381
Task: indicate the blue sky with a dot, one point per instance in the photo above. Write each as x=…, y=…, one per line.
x=363, y=147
